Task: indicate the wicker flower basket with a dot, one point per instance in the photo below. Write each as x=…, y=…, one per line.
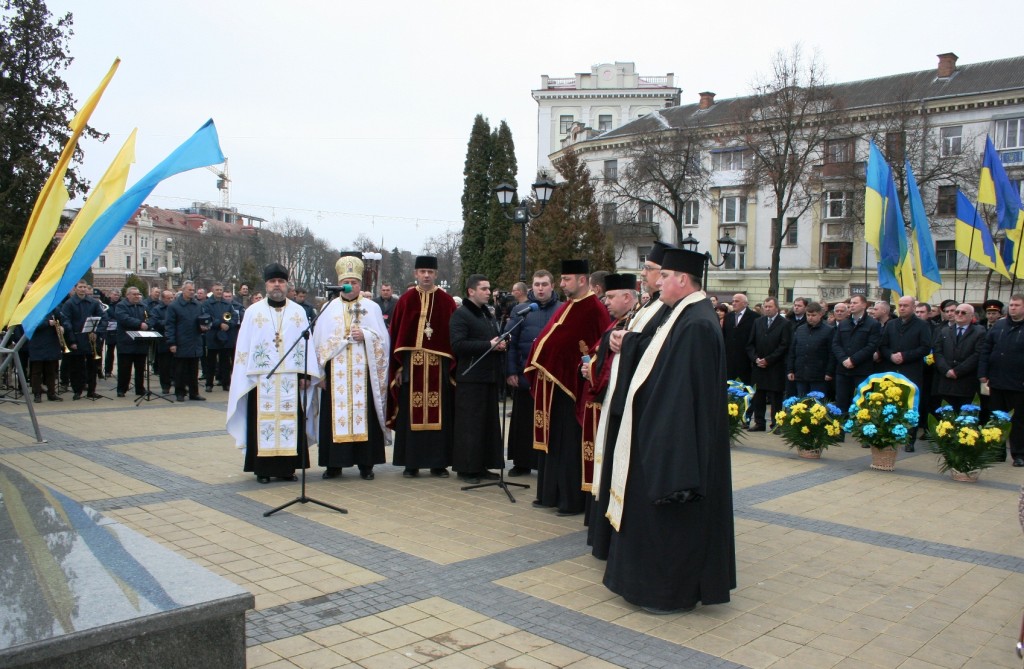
x=965, y=477
x=883, y=459
x=809, y=453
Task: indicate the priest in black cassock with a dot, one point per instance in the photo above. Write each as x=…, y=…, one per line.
x=670, y=501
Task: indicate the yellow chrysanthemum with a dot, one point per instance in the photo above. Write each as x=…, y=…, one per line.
x=818, y=411
x=863, y=414
x=798, y=408
x=894, y=393
x=876, y=397
x=734, y=410
x=992, y=434
x=967, y=436
x=805, y=430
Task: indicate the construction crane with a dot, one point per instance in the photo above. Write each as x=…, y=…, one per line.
x=223, y=184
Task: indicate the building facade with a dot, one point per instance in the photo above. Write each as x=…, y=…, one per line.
x=936, y=119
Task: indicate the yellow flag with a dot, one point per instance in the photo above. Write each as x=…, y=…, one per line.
x=110, y=187
x=45, y=218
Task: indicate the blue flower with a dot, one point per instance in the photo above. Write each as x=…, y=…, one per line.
x=788, y=402
x=815, y=394
x=888, y=410
x=1001, y=416
x=852, y=409
x=970, y=408
x=967, y=420
x=833, y=409
x=945, y=408
x=848, y=426
x=911, y=417
x=869, y=430
x=899, y=431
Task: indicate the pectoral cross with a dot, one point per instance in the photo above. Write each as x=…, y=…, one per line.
x=428, y=330
x=278, y=342
x=357, y=311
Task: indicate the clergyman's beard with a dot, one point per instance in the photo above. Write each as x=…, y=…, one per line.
x=276, y=295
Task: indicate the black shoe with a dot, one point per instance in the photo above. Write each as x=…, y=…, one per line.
x=93, y=396
x=366, y=475
x=55, y=398
x=38, y=397
x=120, y=394
x=209, y=389
x=472, y=479
x=909, y=448
x=490, y=476
x=290, y=477
x=519, y=471
x=261, y=479
x=756, y=428
x=566, y=514
x=332, y=472
x=180, y=398
x=197, y=398
x=439, y=472
x=165, y=391
x=76, y=396
x=140, y=394
x=540, y=505
x=411, y=473
x=1018, y=462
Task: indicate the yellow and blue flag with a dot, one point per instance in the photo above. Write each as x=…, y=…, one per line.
x=894, y=267
x=926, y=267
x=973, y=238
x=200, y=150
x=874, y=197
x=994, y=188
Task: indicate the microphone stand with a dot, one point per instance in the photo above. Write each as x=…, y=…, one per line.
x=501, y=482
x=304, y=403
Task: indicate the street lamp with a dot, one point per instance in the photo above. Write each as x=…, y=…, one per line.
x=523, y=214
x=726, y=246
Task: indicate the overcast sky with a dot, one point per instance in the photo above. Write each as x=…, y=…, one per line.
x=354, y=117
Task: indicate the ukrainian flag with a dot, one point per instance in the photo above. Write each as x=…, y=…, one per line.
x=894, y=267
x=874, y=197
x=927, y=267
x=973, y=238
x=994, y=188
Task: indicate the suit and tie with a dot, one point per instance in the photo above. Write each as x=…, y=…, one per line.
x=769, y=341
x=736, y=329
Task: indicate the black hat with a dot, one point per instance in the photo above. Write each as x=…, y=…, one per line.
x=681, y=260
x=426, y=262
x=620, y=282
x=657, y=253
x=993, y=305
x=946, y=303
x=275, y=270
x=576, y=266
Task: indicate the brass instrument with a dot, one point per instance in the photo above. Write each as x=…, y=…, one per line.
x=227, y=316
x=60, y=333
x=95, y=353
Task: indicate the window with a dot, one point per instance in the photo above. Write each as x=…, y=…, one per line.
x=691, y=212
x=738, y=258
x=128, y=262
x=895, y=146
x=837, y=255
x=790, y=236
x=102, y=262
x=837, y=204
x=738, y=159
x=604, y=122
x=145, y=262
x=608, y=215
x=1010, y=133
x=124, y=239
x=734, y=209
x=611, y=170
x=641, y=255
x=564, y=123
x=788, y=295
x=945, y=254
x=946, y=203
x=951, y=141
x=646, y=213
x=839, y=150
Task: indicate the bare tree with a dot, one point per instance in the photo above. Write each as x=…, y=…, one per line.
x=445, y=247
x=785, y=123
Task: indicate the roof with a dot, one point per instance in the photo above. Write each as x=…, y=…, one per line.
x=969, y=79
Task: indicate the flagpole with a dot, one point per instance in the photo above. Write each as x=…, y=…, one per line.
x=967, y=272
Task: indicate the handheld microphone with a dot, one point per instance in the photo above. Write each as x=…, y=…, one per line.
x=585, y=359
x=347, y=288
x=525, y=309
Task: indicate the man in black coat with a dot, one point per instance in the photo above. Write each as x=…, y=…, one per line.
x=472, y=332
x=855, y=342
x=1002, y=366
x=84, y=363
x=220, y=338
x=810, y=362
x=164, y=357
x=131, y=316
x=906, y=341
x=767, y=350
x=184, y=333
x=736, y=329
x=386, y=302
x=957, y=351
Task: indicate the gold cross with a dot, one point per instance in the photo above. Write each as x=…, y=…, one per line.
x=428, y=330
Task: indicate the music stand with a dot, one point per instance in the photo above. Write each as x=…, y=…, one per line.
x=152, y=338
x=91, y=326
x=304, y=402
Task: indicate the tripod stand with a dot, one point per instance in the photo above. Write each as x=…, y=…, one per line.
x=304, y=401
x=153, y=338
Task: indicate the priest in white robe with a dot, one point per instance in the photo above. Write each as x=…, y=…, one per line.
x=352, y=345
x=270, y=417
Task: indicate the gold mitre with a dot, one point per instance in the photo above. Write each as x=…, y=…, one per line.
x=349, y=266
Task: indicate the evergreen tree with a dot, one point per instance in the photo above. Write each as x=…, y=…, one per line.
x=395, y=271
x=501, y=234
x=476, y=197
x=36, y=106
x=569, y=228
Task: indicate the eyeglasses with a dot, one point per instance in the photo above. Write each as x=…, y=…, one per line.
x=961, y=312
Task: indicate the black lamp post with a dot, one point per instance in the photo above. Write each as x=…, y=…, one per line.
x=726, y=246
x=523, y=214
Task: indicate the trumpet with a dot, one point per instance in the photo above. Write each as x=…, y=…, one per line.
x=95, y=353
x=60, y=333
x=227, y=316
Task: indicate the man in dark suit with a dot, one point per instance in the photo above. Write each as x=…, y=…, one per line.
x=957, y=350
x=736, y=328
x=855, y=342
x=769, y=343
x=906, y=341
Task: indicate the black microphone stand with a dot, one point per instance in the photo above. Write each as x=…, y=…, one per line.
x=304, y=403
x=501, y=482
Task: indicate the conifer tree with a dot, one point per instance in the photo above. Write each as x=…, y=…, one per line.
x=476, y=197
x=501, y=234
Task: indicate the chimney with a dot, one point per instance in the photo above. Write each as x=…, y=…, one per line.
x=707, y=98
x=947, y=65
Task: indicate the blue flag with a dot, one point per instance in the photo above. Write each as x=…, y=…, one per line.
x=929, y=279
x=200, y=150
x=894, y=271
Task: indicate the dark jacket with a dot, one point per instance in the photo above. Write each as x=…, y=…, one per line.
x=157, y=320
x=858, y=343
x=129, y=318
x=181, y=327
x=523, y=336
x=737, y=336
x=44, y=344
x=962, y=357
x=471, y=330
x=75, y=311
x=810, y=353
x=217, y=337
x=386, y=307
x=912, y=338
x=1002, y=356
x=771, y=344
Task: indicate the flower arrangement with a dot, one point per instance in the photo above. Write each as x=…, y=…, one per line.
x=808, y=423
x=962, y=443
x=884, y=413
x=738, y=397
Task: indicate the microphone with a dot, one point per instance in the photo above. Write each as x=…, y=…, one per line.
x=525, y=309
x=347, y=288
